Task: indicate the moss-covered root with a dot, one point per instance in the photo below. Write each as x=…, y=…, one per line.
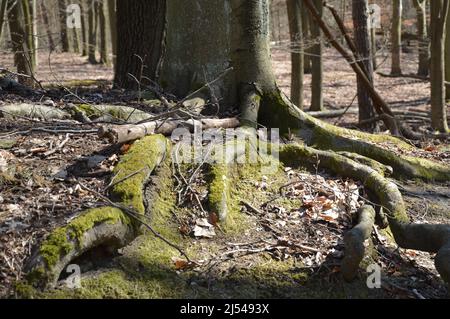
x=277, y=111
x=95, y=227
x=354, y=242
x=134, y=169
x=424, y=237
x=102, y=226
x=382, y=169
x=219, y=191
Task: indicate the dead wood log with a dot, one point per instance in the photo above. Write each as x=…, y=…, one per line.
x=126, y=133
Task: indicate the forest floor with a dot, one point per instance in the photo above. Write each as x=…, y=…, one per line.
x=41, y=191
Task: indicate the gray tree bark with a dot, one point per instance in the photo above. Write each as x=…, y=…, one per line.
x=439, y=11
x=422, y=38
x=317, y=62
x=396, y=37
x=294, y=9
x=360, y=13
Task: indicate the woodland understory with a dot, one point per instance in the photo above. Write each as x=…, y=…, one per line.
x=143, y=225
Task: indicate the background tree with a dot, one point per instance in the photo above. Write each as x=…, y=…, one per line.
x=422, y=37
x=92, y=32
x=306, y=41
x=447, y=57
x=19, y=39
x=63, y=26
x=46, y=22
x=2, y=14
x=113, y=28
x=102, y=24
x=317, y=62
x=439, y=11
x=294, y=9
x=360, y=13
x=396, y=37
x=141, y=44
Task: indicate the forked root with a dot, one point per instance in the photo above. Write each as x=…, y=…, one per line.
x=424, y=237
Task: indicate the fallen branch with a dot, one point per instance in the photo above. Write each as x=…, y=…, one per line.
x=126, y=133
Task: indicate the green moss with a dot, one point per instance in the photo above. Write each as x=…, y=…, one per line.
x=89, y=110
x=143, y=157
x=24, y=290
x=7, y=143
x=219, y=190
x=55, y=245
x=61, y=240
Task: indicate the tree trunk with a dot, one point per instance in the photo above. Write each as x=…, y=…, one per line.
x=373, y=44
x=447, y=57
x=84, y=29
x=190, y=62
x=100, y=10
x=92, y=33
x=19, y=38
x=439, y=10
x=317, y=62
x=396, y=37
x=35, y=32
x=63, y=25
x=422, y=38
x=113, y=28
x=28, y=20
x=2, y=14
x=306, y=41
x=360, y=12
x=141, y=42
x=46, y=22
x=294, y=9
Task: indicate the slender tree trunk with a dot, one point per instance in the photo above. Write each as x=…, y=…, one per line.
x=19, y=39
x=447, y=58
x=317, y=62
x=45, y=19
x=102, y=34
x=294, y=9
x=113, y=28
x=396, y=37
x=63, y=26
x=92, y=32
x=141, y=42
x=439, y=10
x=360, y=12
x=84, y=29
x=2, y=14
x=306, y=41
x=373, y=41
x=28, y=20
x=343, y=14
x=35, y=32
x=422, y=38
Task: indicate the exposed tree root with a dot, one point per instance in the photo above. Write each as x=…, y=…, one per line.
x=424, y=237
x=354, y=242
x=108, y=225
x=277, y=111
x=101, y=226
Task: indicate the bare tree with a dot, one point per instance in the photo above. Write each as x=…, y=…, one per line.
x=317, y=62
x=360, y=12
x=294, y=9
x=396, y=37
x=439, y=12
x=19, y=39
x=422, y=37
